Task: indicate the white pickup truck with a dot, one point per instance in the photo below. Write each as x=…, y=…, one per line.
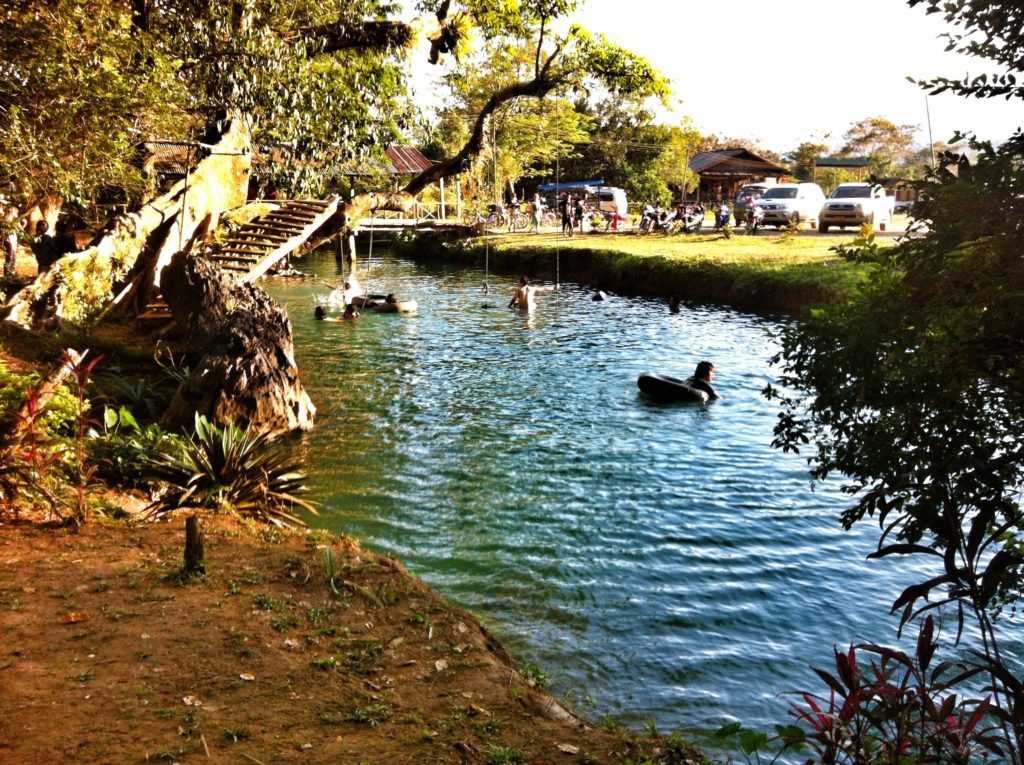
x=854, y=204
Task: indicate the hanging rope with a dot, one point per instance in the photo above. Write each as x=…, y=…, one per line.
x=558, y=241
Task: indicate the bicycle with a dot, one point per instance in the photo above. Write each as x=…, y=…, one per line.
x=519, y=221
x=476, y=218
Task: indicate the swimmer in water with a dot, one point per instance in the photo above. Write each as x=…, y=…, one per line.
x=523, y=297
x=702, y=378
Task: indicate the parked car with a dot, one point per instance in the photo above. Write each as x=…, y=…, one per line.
x=854, y=204
x=747, y=195
x=791, y=204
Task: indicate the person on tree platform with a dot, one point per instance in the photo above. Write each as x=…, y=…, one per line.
x=45, y=247
x=9, y=235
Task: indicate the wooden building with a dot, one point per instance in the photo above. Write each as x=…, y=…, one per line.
x=723, y=172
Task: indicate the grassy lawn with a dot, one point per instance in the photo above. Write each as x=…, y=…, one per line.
x=765, y=271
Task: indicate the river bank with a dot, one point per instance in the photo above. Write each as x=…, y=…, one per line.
x=111, y=655
x=770, y=272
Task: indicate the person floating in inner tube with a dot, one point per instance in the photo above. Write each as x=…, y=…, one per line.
x=523, y=297
x=702, y=378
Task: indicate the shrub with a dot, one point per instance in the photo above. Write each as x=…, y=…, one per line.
x=229, y=470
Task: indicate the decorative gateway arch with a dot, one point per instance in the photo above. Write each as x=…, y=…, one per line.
x=722, y=172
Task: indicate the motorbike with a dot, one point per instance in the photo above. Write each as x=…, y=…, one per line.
x=692, y=218
x=649, y=219
x=754, y=217
x=722, y=215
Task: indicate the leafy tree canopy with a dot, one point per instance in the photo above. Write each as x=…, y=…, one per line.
x=987, y=30
x=626, y=149
x=319, y=81
x=80, y=86
x=882, y=141
x=914, y=389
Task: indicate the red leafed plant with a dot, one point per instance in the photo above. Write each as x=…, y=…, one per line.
x=898, y=708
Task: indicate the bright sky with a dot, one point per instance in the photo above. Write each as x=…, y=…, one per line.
x=789, y=71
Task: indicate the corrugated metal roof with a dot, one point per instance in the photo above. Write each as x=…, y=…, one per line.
x=841, y=161
x=408, y=160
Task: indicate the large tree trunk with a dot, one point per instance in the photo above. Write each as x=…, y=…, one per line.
x=240, y=346
x=239, y=341
x=137, y=245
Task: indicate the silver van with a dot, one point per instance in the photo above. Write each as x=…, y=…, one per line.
x=791, y=203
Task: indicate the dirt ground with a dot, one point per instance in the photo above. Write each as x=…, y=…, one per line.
x=109, y=655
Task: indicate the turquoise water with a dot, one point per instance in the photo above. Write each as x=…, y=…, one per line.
x=661, y=560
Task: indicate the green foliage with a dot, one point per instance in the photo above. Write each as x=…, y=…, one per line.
x=25, y=463
x=914, y=391
x=504, y=755
x=121, y=443
x=44, y=440
x=882, y=141
x=802, y=158
x=78, y=86
x=229, y=470
x=527, y=133
x=57, y=419
x=625, y=147
x=991, y=30
x=369, y=713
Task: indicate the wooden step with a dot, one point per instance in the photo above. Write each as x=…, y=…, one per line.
x=235, y=258
x=262, y=237
x=316, y=209
x=155, y=315
x=291, y=228
x=240, y=254
x=294, y=220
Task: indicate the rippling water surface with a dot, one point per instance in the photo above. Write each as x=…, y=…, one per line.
x=660, y=559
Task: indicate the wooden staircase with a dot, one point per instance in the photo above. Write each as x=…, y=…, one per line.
x=261, y=244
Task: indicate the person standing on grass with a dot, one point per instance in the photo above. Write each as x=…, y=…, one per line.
x=538, y=212
x=565, y=208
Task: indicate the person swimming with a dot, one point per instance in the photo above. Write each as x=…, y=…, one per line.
x=523, y=296
x=702, y=378
x=320, y=314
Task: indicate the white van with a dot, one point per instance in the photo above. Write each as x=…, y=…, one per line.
x=791, y=203
x=611, y=199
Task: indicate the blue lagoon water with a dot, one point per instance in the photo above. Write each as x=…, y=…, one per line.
x=661, y=560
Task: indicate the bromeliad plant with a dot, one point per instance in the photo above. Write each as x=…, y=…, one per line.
x=230, y=470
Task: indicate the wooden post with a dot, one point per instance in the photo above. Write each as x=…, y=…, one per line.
x=195, y=557
x=443, y=213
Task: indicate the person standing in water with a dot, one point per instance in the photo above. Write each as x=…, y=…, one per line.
x=702, y=378
x=523, y=296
